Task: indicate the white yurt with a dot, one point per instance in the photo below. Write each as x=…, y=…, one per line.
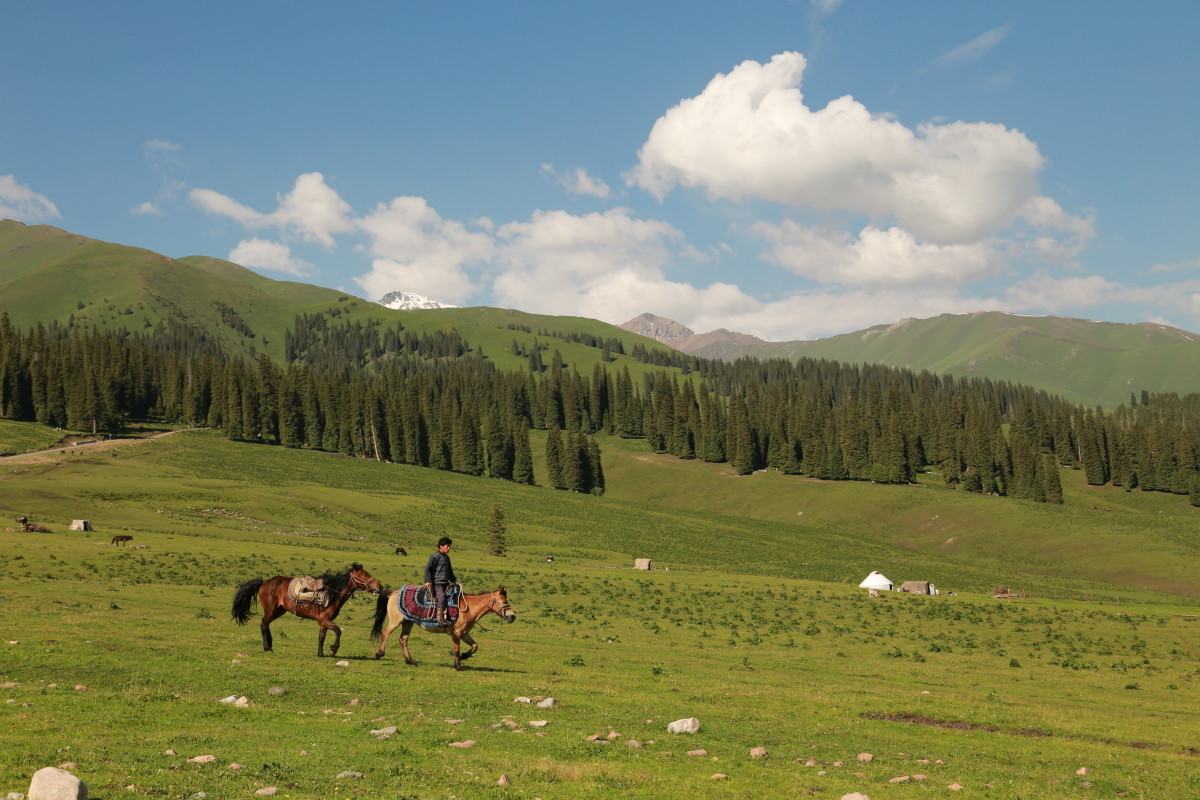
x=878, y=581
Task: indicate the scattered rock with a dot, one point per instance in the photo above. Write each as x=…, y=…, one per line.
x=1082, y=771
x=342, y=663
x=464, y=744
x=866, y=758
x=613, y=736
x=955, y=787
x=200, y=796
x=452, y=721
x=525, y=700
x=855, y=796
x=633, y=744
x=9, y=685
x=277, y=691
x=79, y=687
x=235, y=766
x=812, y=762
x=169, y=752
x=208, y=758
x=837, y=763
x=384, y=733
x=939, y=761
x=720, y=776
x=688, y=725
x=697, y=752
x=549, y=702
x=503, y=781
x=349, y=773
x=595, y=737
x=353, y=701
x=266, y=791
x=922, y=761
x=242, y=702
x=230, y=700
x=758, y=752
x=538, y=723
x=919, y=777
x=900, y=779
x=51, y=783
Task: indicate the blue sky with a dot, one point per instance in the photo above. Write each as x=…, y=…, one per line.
x=789, y=169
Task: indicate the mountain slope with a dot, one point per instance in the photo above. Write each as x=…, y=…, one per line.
x=49, y=274
x=1084, y=361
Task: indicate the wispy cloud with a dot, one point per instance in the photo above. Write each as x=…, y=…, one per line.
x=578, y=181
x=976, y=48
x=824, y=8
x=18, y=201
x=1173, y=266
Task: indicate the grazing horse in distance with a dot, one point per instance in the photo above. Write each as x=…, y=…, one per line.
x=400, y=551
x=121, y=538
x=275, y=601
x=470, y=608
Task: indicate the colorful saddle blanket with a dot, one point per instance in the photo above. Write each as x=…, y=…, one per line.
x=418, y=604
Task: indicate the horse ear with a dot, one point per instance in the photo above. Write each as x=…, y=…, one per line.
x=355, y=566
x=503, y=592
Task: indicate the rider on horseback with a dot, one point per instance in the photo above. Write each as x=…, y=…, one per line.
x=439, y=575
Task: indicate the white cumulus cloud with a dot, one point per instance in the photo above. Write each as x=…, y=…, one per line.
x=268, y=255
x=875, y=257
x=312, y=211
x=415, y=249
x=578, y=181
x=19, y=202
x=749, y=134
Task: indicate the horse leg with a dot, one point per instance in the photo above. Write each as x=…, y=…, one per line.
x=456, y=649
x=268, y=618
x=387, y=631
x=466, y=637
x=337, y=639
x=405, y=630
x=321, y=641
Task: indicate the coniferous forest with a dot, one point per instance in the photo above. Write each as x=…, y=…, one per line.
x=431, y=400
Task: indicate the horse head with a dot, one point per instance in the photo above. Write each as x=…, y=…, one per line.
x=501, y=607
x=361, y=579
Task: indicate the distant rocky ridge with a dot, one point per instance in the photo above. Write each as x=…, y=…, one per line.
x=410, y=301
x=721, y=343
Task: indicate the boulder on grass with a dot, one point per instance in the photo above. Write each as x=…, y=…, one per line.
x=52, y=783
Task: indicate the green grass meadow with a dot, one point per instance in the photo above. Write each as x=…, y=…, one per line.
x=111, y=656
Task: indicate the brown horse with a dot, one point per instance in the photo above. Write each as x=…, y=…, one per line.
x=470, y=608
x=275, y=601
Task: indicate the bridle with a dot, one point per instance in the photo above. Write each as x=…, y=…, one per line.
x=357, y=581
x=504, y=606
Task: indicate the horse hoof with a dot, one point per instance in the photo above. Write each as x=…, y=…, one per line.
x=378, y=655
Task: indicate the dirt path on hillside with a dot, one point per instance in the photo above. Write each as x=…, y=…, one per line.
x=54, y=453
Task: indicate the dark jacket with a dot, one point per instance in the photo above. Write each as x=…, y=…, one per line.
x=439, y=570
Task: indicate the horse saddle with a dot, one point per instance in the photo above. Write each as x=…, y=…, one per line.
x=418, y=604
x=307, y=589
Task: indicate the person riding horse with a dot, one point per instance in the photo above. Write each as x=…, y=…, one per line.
x=439, y=575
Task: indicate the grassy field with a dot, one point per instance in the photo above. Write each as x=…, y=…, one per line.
x=112, y=656
x=22, y=437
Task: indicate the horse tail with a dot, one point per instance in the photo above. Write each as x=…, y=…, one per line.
x=243, y=598
x=381, y=611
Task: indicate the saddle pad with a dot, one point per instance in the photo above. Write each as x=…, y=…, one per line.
x=302, y=584
x=419, y=605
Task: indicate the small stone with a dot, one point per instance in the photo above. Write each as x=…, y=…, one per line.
x=955, y=787
x=926, y=691
x=720, y=776
x=613, y=736
x=169, y=752
x=549, y=702
x=277, y=691
x=758, y=752
x=866, y=758
x=200, y=796
x=342, y=663
x=383, y=733
x=538, y=723
x=230, y=700
x=855, y=796
x=812, y=762
x=922, y=761
x=452, y=721
x=51, y=783
x=837, y=763
x=208, y=758
x=9, y=685
x=13, y=641
x=698, y=752
x=464, y=744
x=242, y=702
x=235, y=766
x=353, y=701
x=1082, y=771
x=633, y=744
x=79, y=687
x=525, y=700
x=939, y=761
x=349, y=774
x=687, y=725
x=900, y=779
x=595, y=737
x=503, y=781
x=266, y=791
x=919, y=777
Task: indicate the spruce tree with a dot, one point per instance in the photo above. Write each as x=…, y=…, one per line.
x=554, y=459
x=522, y=455
x=595, y=468
x=497, y=531
x=1053, y=485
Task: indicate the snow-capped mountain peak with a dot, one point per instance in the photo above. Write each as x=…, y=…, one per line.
x=408, y=301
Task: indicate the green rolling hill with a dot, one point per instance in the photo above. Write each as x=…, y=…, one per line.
x=49, y=274
x=1094, y=363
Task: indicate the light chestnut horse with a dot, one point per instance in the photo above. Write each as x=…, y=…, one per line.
x=471, y=607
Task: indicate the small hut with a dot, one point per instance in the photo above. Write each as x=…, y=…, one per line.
x=643, y=563
x=918, y=587
x=81, y=525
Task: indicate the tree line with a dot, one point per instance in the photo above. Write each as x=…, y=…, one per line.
x=368, y=392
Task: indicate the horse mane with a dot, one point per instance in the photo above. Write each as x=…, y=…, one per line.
x=336, y=581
